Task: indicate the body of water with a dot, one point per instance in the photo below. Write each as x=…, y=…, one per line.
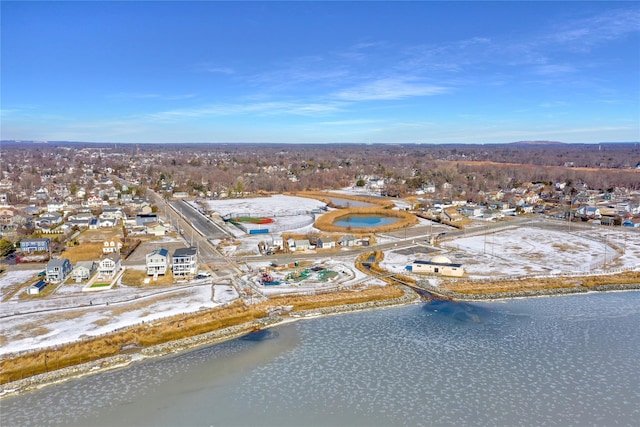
x=570, y=360
x=365, y=221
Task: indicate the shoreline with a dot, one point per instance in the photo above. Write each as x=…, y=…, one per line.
x=410, y=296
x=39, y=381
x=500, y=296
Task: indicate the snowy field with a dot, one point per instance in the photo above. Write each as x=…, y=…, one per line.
x=534, y=251
x=69, y=314
x=276, y=205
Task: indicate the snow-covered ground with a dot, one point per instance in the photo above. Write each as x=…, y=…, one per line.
x=69, y=314
x=276, y=205
x=533, y=251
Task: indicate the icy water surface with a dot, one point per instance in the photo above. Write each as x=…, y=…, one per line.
x=548, y=361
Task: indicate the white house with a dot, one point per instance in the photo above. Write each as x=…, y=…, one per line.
x=347, y=240
x=277, y=242
x=155, y=229
x=157, y=262
x=326, y=243
x=112, y=245
x=439, y=264
x=109, y=266
x=302, y=245
x=83, y=270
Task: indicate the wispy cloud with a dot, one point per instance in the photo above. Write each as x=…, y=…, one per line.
x=141, y=95
x=261, y=108
x=588, y=32
x=389, y=89
x=348, y=122
x=553, y=69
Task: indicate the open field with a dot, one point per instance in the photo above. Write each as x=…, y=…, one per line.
x=171, y=329
x=87, y=251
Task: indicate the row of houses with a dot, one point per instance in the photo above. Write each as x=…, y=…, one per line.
x=59, y=269
x=293, y=245
x=183, y=262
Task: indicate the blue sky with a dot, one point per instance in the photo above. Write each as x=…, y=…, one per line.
x=374, y=72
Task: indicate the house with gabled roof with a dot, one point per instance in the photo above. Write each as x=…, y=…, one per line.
x=58, y=269
x=111, y=245
x=109, y=266
x=157, y=262
x=34, y=245
x=83, y=270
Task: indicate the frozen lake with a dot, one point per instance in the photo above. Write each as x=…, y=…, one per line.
x=570, y=360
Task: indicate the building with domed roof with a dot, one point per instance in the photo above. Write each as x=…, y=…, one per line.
x=439, y=264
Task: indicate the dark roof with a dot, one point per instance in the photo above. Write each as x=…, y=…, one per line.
x=184, y=252
x=419, y=261
x=162, y=251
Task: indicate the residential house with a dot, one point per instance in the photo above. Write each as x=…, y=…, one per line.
x=143, y=219
x=590, y=212
x=527, y=208
x=184, y=262
x=56, y=206
x=111, y=245
x=277, y=242
x=49, y=219
x=450, y=215
x=326, y=243
x=58, y=269
x=31, y=210
x=109, y=266
x=157, y=262
x=34, y=245
x=112, y=213
x=83, y=270
x=6, y=214
x=155, y=229
x=302, y=245
x=94, y=201
x=80, y=220
x=348, y=240
x=107, y=223
x=472, y=211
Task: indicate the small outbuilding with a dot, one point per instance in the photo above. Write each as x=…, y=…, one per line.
x=439, y=264
x=36, y=288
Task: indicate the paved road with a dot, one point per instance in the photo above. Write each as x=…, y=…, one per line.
x=201, y=223
x=182, y=218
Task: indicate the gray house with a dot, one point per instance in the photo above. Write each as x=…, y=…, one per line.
x=185, y=262
x=83, y=270
x=58, y=269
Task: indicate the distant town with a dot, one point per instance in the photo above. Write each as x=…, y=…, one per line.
x=98, y=238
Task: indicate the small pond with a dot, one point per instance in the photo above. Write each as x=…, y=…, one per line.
x=365, y=221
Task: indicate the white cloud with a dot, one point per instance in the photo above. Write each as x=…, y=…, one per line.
x=389, y=89
x=142, y=95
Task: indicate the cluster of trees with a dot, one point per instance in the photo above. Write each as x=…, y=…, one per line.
x=233, y=169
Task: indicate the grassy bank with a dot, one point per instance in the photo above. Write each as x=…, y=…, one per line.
x=15, y=367
x=326, y=221
x=510, y=286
